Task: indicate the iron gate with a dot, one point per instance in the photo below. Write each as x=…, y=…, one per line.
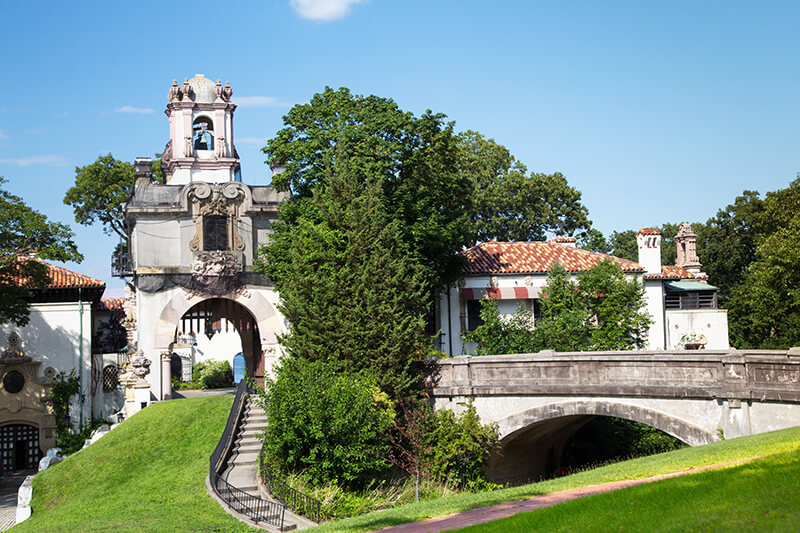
x=19, y=447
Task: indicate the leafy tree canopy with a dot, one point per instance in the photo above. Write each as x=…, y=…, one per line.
x=512, y=205
x=26, y=232
x=412, y=160
x=100, y=191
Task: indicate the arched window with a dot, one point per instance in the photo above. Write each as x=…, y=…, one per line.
x=203, y=134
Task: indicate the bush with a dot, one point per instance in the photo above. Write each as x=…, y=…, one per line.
x=332, y=426
x=212, y=374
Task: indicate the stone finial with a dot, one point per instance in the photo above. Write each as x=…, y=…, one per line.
x=14, y=352
x=227, y=92
x=218, y=91
x=185, y=89
x=141, y=367
x=174, y=91
x=686, y=242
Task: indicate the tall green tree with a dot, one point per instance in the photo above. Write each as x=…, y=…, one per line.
x=25, y=232
x=412, y=160
x=100, y=191
x=512, y=205
x=351, y=291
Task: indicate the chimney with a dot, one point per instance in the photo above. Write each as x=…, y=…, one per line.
x=686, y=242
x=143, y=169
x=569, y=242
x=649, y=242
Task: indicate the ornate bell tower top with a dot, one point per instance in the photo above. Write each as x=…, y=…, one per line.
x=200, y=146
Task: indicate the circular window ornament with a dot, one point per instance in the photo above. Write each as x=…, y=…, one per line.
x=13, y=382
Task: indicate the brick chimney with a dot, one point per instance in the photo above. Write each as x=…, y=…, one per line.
x=649, y=242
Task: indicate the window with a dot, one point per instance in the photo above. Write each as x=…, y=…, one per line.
x=215, y=232
x=203, y=134
x=110, y=378
x=474, y=314
x=691, y=300
x=537, y=310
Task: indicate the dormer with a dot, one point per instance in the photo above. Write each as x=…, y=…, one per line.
x=201, y=133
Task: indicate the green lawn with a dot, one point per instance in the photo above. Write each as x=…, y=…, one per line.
x=777, y=442
x=146, y=475
x=149, y=473
x=757, y=496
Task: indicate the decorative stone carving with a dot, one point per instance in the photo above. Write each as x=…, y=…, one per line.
x=227, y=92
x=216, y=200
x=141, y=367
x=185, y=90
x=166, y=157
x=216, y=273
x=187, y=146
x=220, y=146
x=174, y=91
x=14, y=354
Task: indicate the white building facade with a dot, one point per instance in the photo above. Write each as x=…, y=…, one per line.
x=680, y=302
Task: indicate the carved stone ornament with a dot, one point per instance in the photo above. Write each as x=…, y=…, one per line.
x=174, y=91
x=141, y=366
x=14, y=354
x=216, y=273
x=216, y=200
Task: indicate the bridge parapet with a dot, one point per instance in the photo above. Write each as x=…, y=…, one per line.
x=736, y=375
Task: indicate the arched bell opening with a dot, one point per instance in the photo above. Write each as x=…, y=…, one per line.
x=217, y=329
x=203, y=133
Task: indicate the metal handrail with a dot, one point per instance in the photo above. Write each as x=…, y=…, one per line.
x=253, y=507
x=296, y=501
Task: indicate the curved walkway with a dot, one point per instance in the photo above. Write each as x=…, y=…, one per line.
x=9, y=485
x=503, y=510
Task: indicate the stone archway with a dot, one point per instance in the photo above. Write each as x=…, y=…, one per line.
x=212, y=316
x=532, y=440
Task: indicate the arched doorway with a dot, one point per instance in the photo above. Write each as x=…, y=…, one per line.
x=19, y=447
x=221, y=317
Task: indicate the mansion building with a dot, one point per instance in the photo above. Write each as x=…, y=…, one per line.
x=194, y=293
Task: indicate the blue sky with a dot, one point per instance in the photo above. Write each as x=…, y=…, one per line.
x=656, y=111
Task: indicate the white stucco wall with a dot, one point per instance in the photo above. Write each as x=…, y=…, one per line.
x=713, y=323
x=654, y=305
x=59, y=335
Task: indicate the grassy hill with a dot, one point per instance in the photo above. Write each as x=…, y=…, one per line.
x=146, y=475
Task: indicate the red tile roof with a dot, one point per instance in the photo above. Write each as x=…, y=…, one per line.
x=61, y=278
x=671, y=272
x=116, y=306
x=515, y=257
x=649, y=231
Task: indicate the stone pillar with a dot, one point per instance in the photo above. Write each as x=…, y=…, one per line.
x=166, y=376
x=128, y=381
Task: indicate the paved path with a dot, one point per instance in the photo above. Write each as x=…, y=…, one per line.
x=9, y=485
x=503, y=510
x=199, y=393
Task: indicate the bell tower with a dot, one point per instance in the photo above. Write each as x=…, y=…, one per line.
x=200, y=146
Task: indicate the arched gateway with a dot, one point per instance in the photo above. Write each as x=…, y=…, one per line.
x=193, y=239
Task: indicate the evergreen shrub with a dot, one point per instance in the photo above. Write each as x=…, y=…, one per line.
x=330, y=425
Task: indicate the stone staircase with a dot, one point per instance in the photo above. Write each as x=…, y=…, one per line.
x=242, y=469
x=242, y=466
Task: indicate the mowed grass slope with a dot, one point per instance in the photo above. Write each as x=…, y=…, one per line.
x=148, y=474
x=757, y=496
x=786, y=442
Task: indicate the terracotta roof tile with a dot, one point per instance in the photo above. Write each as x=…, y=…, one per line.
x=535, y=257
x=671, y=272
x=116, y=306
x=649, y=231
x=61, y=278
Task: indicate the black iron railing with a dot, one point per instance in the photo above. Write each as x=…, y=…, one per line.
x=298, y=502
x=249, y=505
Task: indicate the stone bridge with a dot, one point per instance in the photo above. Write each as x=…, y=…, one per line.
x=540, y=400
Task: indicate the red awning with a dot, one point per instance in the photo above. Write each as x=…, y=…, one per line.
x=502, y=293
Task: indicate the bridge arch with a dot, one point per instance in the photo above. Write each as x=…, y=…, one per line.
x=532, y=441
x=691, y=434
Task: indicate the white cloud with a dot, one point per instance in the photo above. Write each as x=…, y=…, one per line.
x=251, y=140
x=3, y=135
x=137, y=110
x=323, y=10
x=258, y=101
x=49, y=160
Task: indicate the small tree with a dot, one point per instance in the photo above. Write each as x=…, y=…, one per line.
x=330, y=425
